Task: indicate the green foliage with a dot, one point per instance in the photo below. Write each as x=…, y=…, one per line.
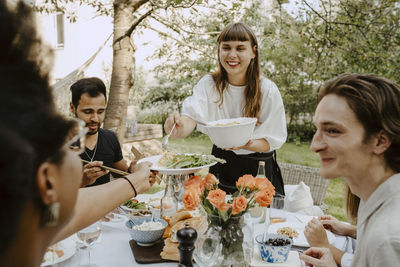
x=298, y=53
x=355, y=36
x=189, y=52
x=300, y=132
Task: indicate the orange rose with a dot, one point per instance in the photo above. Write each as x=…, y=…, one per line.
x=194, y=187
x=264, y=197
x=239, y=205
x=246, y=180
x=196, y=181
x=263, y=183
x=224, y=207
x=217, y=198
x=191, y=199
x=209, y=181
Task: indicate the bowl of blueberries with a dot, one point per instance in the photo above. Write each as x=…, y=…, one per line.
x=274, y=248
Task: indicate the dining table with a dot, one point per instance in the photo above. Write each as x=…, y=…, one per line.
x=112, y=249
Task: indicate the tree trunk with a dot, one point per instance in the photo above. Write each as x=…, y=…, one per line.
x=122, y=70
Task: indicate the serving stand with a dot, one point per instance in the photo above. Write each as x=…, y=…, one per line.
x=173, y=192
x=173, y=179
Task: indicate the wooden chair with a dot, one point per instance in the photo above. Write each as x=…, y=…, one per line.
x=294, y=174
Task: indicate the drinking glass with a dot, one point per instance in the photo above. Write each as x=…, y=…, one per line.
x=277, y=213
x=88, y=236
x=207, y=248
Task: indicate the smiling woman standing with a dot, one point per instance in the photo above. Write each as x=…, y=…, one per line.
x=237, y=89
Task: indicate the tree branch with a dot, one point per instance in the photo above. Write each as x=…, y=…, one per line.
x=179, y=41
x=175, y=27
x=154, y=3
x=184, y=6
x=139, y=4
x=327, y=21
x=133, y=26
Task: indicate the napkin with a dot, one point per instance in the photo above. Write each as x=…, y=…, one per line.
x=292, y=261
x=298, y=197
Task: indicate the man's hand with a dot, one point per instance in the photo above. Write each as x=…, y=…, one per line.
x=315, y=234
x=318, y=257
x=91, y=172
x=337, y=227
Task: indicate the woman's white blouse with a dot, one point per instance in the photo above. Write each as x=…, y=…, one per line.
x=203, y=105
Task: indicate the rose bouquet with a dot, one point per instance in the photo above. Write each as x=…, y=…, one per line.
x=225, y=215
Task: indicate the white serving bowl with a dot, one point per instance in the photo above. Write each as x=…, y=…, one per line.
x=230, y=135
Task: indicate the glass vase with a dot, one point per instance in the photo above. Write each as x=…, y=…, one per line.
x=226, y=243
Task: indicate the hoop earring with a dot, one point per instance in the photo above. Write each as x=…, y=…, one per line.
x=51, y=214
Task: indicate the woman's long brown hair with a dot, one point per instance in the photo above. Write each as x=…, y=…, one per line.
x=241, y=32
x=352, y=202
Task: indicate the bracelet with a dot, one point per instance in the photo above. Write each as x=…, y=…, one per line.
x=134, y=189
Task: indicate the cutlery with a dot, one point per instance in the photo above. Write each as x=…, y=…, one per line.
x=110, y=169
x=165, y=139
x=346, y=244
x=137, y=153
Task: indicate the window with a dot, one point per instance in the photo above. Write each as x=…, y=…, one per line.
x=59, y=25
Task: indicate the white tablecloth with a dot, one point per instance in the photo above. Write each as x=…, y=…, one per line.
x=113, y=249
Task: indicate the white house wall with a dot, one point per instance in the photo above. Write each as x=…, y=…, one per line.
x=82, y=39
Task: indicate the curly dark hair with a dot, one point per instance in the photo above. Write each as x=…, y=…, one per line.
x=32, y=131
x=375, y=101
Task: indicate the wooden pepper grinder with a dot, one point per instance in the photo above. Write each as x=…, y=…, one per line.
x=186, y=237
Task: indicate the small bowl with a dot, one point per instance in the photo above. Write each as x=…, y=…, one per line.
x=270, y=253
x=145, y=238
x=229, y=133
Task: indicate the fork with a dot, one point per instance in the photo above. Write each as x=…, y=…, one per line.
x=165, y=139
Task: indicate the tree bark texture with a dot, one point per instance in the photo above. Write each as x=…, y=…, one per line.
x=122, y=70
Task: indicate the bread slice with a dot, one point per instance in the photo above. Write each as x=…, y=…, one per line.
x=170, y=250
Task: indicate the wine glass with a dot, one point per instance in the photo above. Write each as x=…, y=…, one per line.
x=88, y=236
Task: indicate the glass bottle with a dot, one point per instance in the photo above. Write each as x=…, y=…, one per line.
x=258, y=211
x=169, y=202
x=261, y=170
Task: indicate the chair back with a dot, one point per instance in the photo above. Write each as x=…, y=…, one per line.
x=294, y=174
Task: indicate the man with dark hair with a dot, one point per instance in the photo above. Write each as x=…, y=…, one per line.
x=102, y=147
x=358, y=138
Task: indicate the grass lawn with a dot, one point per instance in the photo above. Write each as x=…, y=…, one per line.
x=290, y=153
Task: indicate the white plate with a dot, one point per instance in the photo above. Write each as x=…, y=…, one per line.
x=68, y=246
x=162, y=170
x=301, y=240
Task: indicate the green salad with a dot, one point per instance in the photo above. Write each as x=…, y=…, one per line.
x=184, y=161
x=134, y=204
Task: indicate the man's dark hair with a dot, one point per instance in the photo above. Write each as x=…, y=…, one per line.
x=92, y=86
x=32, y=131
